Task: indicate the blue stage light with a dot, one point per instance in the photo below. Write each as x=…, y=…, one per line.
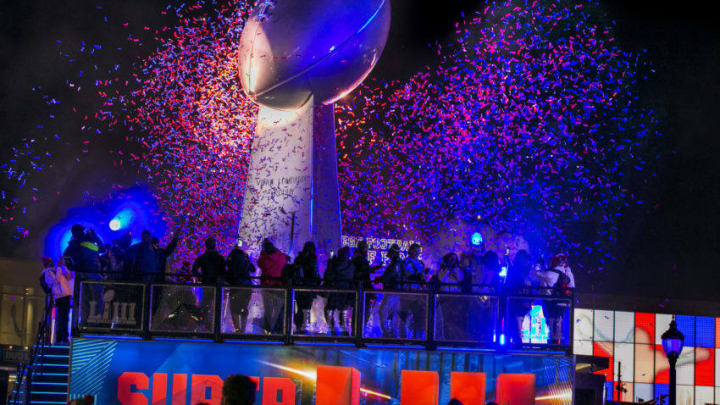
x=122, y=219
x=502, y=339
x=64, y=242
x=476, y=239
x=115, y=225
x=503, y=271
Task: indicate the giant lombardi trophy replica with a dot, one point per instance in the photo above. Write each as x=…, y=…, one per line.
x=297, y=57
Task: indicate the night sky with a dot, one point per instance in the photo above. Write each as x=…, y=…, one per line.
x=674, y=251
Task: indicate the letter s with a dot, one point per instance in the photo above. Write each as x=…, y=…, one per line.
x=125, y=385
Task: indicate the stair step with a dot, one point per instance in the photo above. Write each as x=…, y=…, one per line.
x=51, y=378
x=52, y=395
x=49, y=383
x=57, y=349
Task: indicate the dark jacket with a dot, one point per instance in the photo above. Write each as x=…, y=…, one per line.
x=84, y=255
x=239, y=267
x=211, y=266
x=143, y=262
x=340, y=274
x=362, y=271
x=303, y=272
x=393, y=275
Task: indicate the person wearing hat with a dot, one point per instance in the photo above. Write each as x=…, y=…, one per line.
x=59, y=280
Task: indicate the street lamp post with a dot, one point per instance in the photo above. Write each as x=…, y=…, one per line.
x=672, y=343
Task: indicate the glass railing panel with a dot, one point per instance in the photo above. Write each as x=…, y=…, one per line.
x=318, y=312
x=466, y=318
x=182, y=308
x=253, y=311
x=395, y=315
x=110, y=306
x=538, y=320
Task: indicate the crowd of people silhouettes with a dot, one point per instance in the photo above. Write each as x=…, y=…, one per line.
x=472, y=272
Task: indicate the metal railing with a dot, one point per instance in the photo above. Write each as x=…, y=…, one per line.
x=428, y=315
x=23, y=377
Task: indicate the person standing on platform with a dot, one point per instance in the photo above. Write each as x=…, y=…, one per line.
x=60, y=281
x=517, y=282
x=210, y=267
x=304, y=274
x=340, y=275
x=162, y=254
x=450, y=274
x=391, y=279
x=110, y=264
x=414, y=268
x=468, y=269
x=363, y=270
x=490, y=269
x=448, y=279
x=83, y=257
x=121, y=251
x=414, y=278
x=271, y=263
x=239, y=273
x=558, y=281
x=83, y=253
x=143, y=259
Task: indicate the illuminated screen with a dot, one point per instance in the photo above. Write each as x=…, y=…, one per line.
x=631, y=340
x=152, y=372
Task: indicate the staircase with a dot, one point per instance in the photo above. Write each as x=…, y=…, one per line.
x=49, y=379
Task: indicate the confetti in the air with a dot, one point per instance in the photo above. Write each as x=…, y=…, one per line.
x=528, y=122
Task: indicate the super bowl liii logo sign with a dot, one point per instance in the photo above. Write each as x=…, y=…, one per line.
x=113, y=312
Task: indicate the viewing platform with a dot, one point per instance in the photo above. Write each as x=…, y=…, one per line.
x=428, y=316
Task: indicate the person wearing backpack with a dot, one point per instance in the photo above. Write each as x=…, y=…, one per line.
x=557, y=281
x=58, y=281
